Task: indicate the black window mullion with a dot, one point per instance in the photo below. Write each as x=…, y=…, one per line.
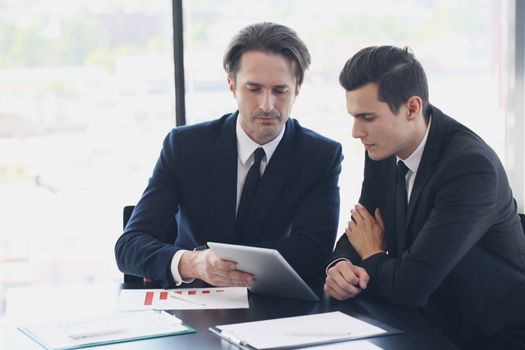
x=178, y=58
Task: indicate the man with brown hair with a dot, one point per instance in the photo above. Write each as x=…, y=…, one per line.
x=252, y=177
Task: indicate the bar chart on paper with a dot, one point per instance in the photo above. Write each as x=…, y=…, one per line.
x=183, y=299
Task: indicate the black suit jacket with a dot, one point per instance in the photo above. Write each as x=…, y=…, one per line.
x=462, y=256
x=195, y=182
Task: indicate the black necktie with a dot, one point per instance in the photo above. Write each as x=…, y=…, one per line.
x=401, y=197
x=248, y=194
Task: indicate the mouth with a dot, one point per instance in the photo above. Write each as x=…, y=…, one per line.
x=266, y=119
x=368, y=145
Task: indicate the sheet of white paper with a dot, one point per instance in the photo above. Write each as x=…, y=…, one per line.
x=183, y=299
x=356, y=345
x=301, y=330
x=104, y=329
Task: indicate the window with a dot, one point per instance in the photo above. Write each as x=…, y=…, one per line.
x=458, y=42
x=86, y=97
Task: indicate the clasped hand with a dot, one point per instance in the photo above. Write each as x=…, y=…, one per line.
x=366, y=233
x=345, y=280
x=207, y=266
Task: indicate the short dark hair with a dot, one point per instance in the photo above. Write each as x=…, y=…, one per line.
x=269, y=38
x=397, y=72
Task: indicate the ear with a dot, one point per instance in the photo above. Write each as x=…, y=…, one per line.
x=231, y=85
x=414, y=106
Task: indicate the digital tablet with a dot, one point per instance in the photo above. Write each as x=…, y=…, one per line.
x=273, y=275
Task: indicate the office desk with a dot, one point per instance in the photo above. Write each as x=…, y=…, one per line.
x=44, y=303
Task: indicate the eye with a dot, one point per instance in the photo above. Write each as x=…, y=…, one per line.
x=367, y=117
x=280, y=91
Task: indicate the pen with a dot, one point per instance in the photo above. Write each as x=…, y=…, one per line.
x=318, y=333
x=233, y=338
x=100, y=333
x=183, y=298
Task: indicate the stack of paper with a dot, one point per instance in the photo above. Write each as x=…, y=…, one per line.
x=107, y=329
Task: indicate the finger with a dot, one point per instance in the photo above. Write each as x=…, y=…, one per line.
x=220, y=264
x=363, y=276
x=233, y=278
x=379, y=219
x=333, y=293
x=239, y=277
x=352, y=225
x=348, y=232
x=343, y=277
x=222, y=281
x=356, y=216
x=339, y=293
x=363, y=212
x=225, y=265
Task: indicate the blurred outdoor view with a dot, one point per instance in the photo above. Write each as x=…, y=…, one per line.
x=87, y=95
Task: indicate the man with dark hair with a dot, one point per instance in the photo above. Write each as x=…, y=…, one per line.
x=252, y=177
x=436, y=226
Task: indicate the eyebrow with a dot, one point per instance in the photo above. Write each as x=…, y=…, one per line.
x=280, y=86
x=362, y=114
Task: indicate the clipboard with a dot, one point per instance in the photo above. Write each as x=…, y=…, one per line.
x=299, y=331
x=105, y=329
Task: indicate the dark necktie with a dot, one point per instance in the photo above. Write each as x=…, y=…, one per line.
x=401, y=197
x=248, y=194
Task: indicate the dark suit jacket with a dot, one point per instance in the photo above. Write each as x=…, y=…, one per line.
x=195, y=183
x=462, y=256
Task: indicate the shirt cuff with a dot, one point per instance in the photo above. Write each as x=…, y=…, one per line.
x=175, y=268
x=333, y=263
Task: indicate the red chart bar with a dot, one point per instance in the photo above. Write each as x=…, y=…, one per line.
x=149, y=298
x=192, y=292
x=163, y=295
x=205, y=292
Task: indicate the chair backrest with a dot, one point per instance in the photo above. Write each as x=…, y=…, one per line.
x=128, y=210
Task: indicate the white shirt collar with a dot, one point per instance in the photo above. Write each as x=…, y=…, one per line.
x=412, y=162
x=246, y=146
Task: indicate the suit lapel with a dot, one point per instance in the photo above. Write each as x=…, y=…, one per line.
x=427, y=164
x=224, y=178
x=271, y=183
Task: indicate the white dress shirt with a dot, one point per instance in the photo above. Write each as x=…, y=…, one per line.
x=412, y=163
x=245, y=148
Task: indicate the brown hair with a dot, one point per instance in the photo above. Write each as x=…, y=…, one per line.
x=269, y=38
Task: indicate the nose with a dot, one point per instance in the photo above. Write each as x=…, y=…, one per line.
x=267, y=101
x=357, y=130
